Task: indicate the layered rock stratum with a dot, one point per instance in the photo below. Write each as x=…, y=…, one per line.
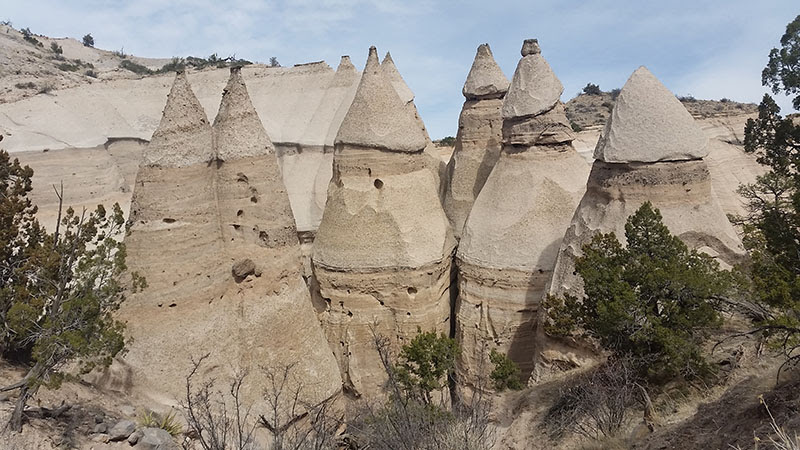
x=382, y=255
x=212, y=232
x=510, y=240
x=478, y=142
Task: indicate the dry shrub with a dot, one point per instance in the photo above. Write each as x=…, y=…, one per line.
x=597, y=404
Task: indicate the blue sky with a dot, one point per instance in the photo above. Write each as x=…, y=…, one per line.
x=709, y=49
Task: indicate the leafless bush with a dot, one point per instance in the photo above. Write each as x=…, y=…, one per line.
x=596, y=405
x=288, y=409
x=226, y=421
x=216, y=425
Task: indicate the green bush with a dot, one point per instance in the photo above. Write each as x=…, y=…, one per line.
x=67, y=67
x=88, y=40
x=135, y=67
x=168, y=423
x=173, y=66
x=575, y=127
x=506, y=373
x=654, y=300
x=28, y=36
x=592, y=89
x=425, y=363
x=447, y=141
x=55, y=48
x=28, y=85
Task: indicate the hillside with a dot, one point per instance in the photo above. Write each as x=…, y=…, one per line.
x=30, y=66
x=588, y=111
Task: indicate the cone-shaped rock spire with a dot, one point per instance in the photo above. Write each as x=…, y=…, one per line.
x=652, y=151
x=378, y=118
x=534, y=87
x=383, y=251
x=391, y=73
x=345, y=70
x=648, y=124
x=510, y=240
x=478, y=142
x=183, y=136
x=253, y=203
x=238, y=132
x=485, y=79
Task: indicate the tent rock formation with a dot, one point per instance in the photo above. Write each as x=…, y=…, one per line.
x=478, y=142
x=510, y=240
x=382, y=255
x=217, y=244
x=649, y=151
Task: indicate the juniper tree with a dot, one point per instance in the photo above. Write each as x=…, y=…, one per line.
x=771, y=226
x=59, y=290
x=653, y=300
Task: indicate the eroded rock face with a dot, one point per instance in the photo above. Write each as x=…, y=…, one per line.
x=382, y=252
x=254, y=309
x=510, y=240
x=478, y=142
x=680, y=189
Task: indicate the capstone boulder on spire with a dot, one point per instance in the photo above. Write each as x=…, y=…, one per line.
x=534, y=88
x=649, y=124
x=485, y=79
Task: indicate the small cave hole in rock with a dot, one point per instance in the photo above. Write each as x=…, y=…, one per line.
x=378, y=183
x=239, y=213
x=381, y=302
x=241, y=177
x=254, y=199
x=263, y=236
x=408, y=313
x=412, y=291
x=168, y=220
x=349, y=313
x=172, y=305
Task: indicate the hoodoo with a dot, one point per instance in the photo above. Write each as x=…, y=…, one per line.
x=650, y=150
x=259, y=313
x=510, y=240
x=174, y=240
x=478, y=142
x=383, y=250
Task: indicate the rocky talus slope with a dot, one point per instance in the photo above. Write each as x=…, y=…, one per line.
x=509, y=243
x=382, y=255
x=212, y=232
x=478, y=142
